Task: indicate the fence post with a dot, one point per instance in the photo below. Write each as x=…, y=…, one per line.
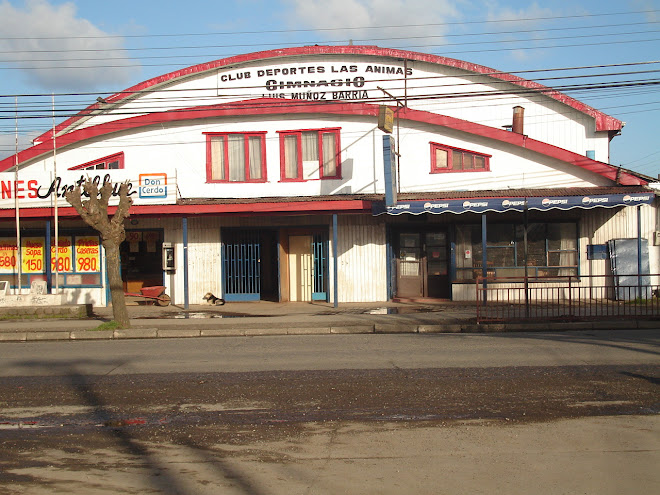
x=570, y=296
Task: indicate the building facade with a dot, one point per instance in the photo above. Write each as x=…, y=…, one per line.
x=273, y=176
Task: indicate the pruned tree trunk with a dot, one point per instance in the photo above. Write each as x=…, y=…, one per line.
x=113, y=262
x=94, y=211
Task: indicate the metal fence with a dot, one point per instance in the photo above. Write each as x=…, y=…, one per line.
x=568, y=298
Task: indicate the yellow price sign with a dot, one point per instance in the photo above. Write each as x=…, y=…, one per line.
x=62, y=261
x=32, y=254
x=8, y=255
x=88, y=254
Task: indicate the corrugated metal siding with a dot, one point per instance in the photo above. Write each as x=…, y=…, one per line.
x=601, y=225
x=362, y=259
x=204, y=258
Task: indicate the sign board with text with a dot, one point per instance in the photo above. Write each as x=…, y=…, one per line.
x=40, y=190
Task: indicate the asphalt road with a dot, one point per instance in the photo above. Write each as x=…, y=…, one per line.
x=329, y=352
x=387, y=414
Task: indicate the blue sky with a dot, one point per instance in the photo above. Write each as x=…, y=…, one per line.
x=65, y=47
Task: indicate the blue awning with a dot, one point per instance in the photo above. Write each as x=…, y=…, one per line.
x=500, y=205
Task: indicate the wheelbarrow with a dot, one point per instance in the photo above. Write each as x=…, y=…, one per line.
x=155, y=294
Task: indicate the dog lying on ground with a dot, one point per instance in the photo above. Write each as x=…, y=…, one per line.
x=211, y=299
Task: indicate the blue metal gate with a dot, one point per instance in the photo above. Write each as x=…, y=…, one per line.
x=320, y=254
x=241, y=265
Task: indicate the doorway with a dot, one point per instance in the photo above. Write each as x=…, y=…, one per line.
x=250, y=265
x=141, y=259
x=305, y=265
x=422, y=264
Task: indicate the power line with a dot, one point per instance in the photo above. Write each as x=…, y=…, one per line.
x=467, y=75
x=359, y=41
x=292, y=31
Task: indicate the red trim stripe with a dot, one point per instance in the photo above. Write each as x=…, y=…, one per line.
x=293, y=207
x=604, y=122
x=279, y=107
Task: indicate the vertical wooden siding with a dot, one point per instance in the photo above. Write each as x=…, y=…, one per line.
x=362, y=259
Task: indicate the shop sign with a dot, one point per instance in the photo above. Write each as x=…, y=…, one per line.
x=88, y=254
x=8, y=255
x=32, y=254
x=40, y=190
x=62, y=261
x=314, y=81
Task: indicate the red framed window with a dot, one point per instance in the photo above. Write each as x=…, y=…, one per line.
x=106, y=163
x=236, y=157
x=310, y=154
x=448, y=159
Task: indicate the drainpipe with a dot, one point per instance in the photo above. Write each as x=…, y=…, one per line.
x=48, y=258
x=335, y=268
x=186, y=298
x=639, y=251
x=484, y=256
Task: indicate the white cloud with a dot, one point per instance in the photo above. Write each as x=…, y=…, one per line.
x=43, y=41
x=521, y=19
x=528, y=15
x=8, y=142
x=359, y=20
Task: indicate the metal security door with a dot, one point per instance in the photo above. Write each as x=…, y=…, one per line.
x=241, y=265
x=320, y=254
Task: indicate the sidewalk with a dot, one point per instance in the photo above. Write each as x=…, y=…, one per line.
x=268, y=318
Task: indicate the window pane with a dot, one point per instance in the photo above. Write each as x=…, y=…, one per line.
x=329, y=155
x=562, y=236
x=236, y=148
x=500, y=234
x=501, y=256
x=479, y=162
x=310, y=146
x=441, y=158
x=113, y=165
x=457, y=160
x=535, y=244
x=217, y=158
x=468, y=161
x=562, y=258
x=100, y=166
x=468, y=247
x=291, y=156
x=255, y=157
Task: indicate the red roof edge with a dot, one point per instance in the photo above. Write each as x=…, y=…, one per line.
x=603, y=121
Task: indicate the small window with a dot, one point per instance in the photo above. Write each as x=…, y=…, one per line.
x=236, y=157
x=111, y=162
x=310, y=154
x=447, y=159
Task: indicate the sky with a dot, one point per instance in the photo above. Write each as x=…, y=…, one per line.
x=70, y=52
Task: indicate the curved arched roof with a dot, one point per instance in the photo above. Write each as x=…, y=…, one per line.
x=279, y=107
x=603, y=121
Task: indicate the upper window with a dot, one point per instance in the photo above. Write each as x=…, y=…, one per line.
x=236, y=157
x=310, y=154
x=448, y=159
x=107, y=163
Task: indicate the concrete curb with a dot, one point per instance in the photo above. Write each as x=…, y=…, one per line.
x=454, y=328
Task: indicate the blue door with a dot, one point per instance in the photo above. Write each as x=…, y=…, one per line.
x=250, y=261
x=241, y=265
x=320, y=255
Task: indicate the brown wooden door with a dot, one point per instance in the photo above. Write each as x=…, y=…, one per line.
x=410, y=265
x=422, y=264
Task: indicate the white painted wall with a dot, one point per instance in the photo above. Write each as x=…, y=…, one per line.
x=436, y=86
x=182, y=148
